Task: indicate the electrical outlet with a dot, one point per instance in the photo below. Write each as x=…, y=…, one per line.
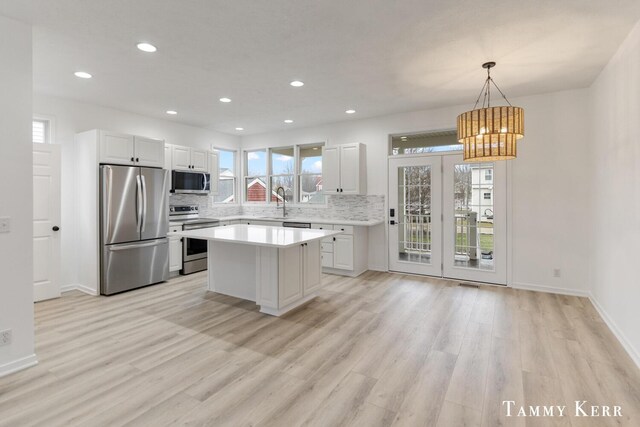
x=5, y=337
x=5, y=224
x=556, y=272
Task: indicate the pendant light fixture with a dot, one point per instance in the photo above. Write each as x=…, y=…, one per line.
x=490, y=133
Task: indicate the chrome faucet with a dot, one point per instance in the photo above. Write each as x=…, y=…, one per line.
x=284, y=201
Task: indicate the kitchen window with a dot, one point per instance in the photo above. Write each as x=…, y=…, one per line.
x=227, y=177
x=282, y=173
x=310, y=174
x=255, y=180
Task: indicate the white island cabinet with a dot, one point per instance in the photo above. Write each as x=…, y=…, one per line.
x=279, y=268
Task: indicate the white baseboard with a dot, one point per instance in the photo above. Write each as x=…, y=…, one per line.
x=18, y=365
x=617, y=332
x=550, y=289
x=78, y=287
x=378, y=268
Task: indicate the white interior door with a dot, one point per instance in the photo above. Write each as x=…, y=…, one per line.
x=46, y=221
x=474, y=220
x=415, y=199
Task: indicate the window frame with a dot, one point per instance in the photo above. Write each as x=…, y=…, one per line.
x=300, y=174
x=271, y=175
x=296, y=174
x=49, y=128
x=235, y=175
x=245, y=176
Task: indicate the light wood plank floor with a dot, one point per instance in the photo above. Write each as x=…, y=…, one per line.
x=381, y=349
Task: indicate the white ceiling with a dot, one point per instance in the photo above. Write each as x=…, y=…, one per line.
x=376, y=56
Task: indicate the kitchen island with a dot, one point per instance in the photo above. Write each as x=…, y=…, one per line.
x=277, y=267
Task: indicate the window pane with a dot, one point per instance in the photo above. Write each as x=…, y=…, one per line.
x=40, y=131
x=227, y=161
x=226, y=190
x=256, y=189
x=284, y=181
x=311, y=160
x=282, y=161
x=311, y=188
x=256, y=163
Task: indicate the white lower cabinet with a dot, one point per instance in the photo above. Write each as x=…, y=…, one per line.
x=175, y=250
x=343, y=252
x=299, y=272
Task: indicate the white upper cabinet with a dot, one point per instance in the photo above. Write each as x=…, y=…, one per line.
x=180, y=157
x=116, y=148
x=214, y=172
x=344, y=169
x=199, y=160
x=189, y=159
x=149, y=152
x=123, y=149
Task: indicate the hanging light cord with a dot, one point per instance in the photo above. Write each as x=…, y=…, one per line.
x=486, y=89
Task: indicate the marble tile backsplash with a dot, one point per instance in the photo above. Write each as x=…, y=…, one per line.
x=338, y=207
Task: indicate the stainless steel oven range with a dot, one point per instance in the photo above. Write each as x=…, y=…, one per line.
x=194, y=251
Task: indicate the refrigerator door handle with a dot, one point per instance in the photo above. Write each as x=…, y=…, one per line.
x=137, y=245
x=109, y=185
x=144, y=204
x=138, y=201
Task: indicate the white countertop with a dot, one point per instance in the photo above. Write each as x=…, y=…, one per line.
x=258, y=235
x=367, y=223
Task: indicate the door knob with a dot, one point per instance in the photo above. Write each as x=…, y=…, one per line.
x=55, y=228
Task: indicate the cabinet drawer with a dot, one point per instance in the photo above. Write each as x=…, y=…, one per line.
x=346, y=229
x=327, y=259
x=327, y=246
x=322, y=226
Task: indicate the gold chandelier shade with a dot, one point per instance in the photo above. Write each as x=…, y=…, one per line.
x=489, y=134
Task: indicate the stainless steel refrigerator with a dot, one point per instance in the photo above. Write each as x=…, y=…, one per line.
x=134, y=220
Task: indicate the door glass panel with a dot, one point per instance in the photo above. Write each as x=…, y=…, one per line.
x=414, y=214
x=473, y=212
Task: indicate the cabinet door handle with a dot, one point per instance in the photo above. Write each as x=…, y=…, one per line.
x=334, y=239
x=137, y=159
x=341, y=190
x=337, y=190
x=132, y=159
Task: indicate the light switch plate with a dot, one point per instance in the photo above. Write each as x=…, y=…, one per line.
x=5, y=224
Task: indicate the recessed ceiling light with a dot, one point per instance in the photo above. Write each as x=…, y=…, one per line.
x=296, y=83
x=172, y=112
x=146, y=47
x=82, y=74
x=225, y=100
x=315, y=148
x=239, y=128
x=288, y=121
x=350, y=111
x=404, y=138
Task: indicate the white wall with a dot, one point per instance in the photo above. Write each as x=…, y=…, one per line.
x=615, y=184
x=16, y=260
x=549, y=223
x=72, y=117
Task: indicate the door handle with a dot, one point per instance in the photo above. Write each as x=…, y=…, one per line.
x=392, y=222
x=109, y=185
x=137, y=245
x=204, y=181
x=143, y=221
x=138, y=201
x=55, y=228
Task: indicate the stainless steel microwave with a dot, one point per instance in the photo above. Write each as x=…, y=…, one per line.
x=190, y=182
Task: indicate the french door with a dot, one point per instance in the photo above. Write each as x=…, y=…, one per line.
x=447, y=218
x=415, y=230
